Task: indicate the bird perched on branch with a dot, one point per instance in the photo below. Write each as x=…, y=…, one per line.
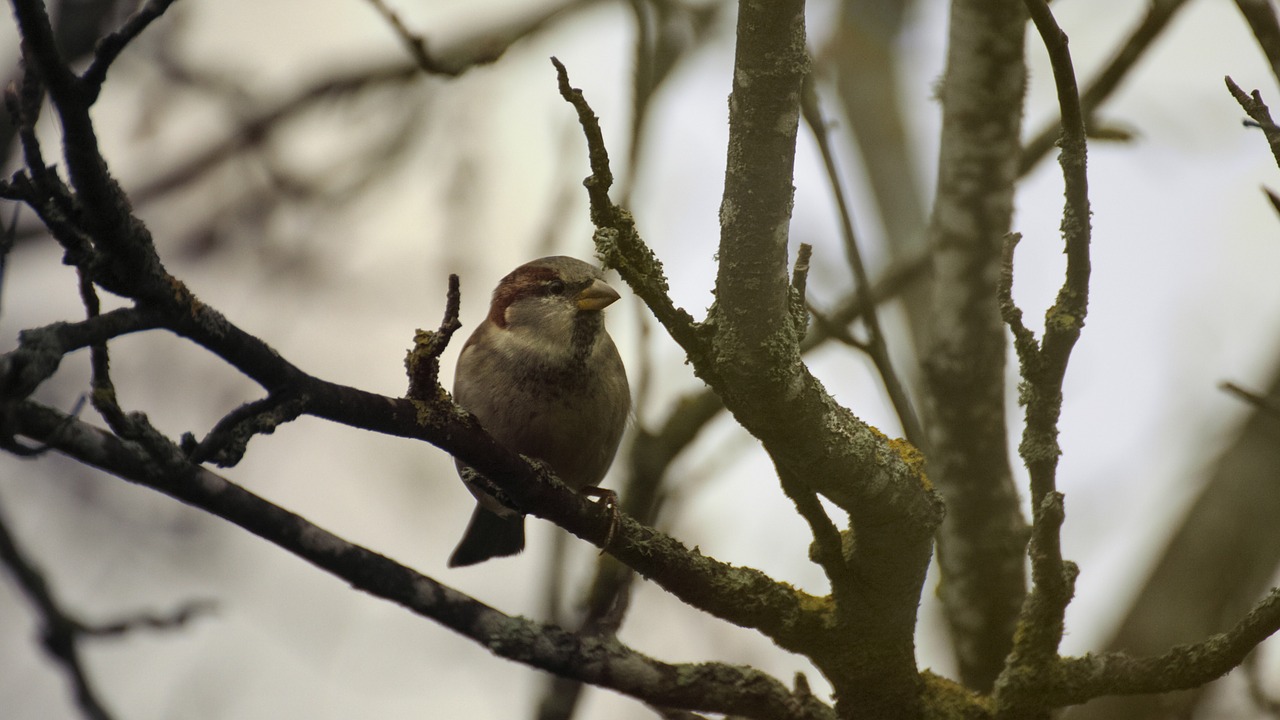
x=543, y=377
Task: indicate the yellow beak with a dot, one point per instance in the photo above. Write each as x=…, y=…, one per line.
x=597, y=296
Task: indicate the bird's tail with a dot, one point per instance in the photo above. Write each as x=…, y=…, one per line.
x=488, y=535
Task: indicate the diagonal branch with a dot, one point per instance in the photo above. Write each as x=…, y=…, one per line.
x=110, y=47
x=1100, y=88
x=1183, y=667
x=1259, y=113
x=876, y=347
x=1261, y=17
x=710, y=687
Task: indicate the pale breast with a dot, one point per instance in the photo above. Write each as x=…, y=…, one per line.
x=572, y=418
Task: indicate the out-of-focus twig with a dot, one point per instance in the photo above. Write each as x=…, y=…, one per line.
x=1261, y=16
x=1269, y=405
x=876, y=347
x=1099, y=89
x=60, y=633
x=480, y=50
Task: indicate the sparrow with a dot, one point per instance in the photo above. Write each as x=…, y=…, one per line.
x=543, y=377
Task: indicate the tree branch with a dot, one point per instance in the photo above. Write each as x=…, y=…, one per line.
x=1099, y=89
x=616, y=239
x=1261, y=17
x=134, y=269
x=1035, y=652
x=1259, y=113
x=710, y=687
x=60, y=633
x=110, y=47
x=982, y=543
x=876, y=347
x=879, y=482
x=700, y=581
x=1081, y=679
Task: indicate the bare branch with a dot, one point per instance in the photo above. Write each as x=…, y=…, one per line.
x=1185, y=666
x=226, y=444
x=173, y=620
x=1035, y=651
x=1261, y=17
x=480, y=50
x=702, y=582
x=40, y=350
x=423, y=361
x=1259, y=113
x=136, y=270
x=110, y=47
x=1269, y=405
x=1100, y=88
x=415, y=44
x=876, y=347
x=710, y=687
x=617, y=241
x=60, y=633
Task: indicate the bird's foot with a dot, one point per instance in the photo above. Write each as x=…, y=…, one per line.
x=609, y=499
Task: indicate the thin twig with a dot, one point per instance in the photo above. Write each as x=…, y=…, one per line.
x=603, y=211
x=60, y=632
x=415, y=44
x=618, y=242
x=173, y=620
x=110, y=47
x=1100, y=88
x=103, y=393
x=486, y=50
x=1264, y=403
x=1257, y=111
x=423, y=361
x=6, y=246
x=226, y=444
x=876, y=347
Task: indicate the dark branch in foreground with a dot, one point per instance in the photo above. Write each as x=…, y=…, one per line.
x=710, y=687
x=110, y=47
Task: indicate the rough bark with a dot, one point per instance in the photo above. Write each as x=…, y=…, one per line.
x=981, y=543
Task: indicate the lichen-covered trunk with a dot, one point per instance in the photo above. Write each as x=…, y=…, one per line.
x=981, y=545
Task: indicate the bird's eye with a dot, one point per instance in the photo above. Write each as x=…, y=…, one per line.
x=555, y=287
